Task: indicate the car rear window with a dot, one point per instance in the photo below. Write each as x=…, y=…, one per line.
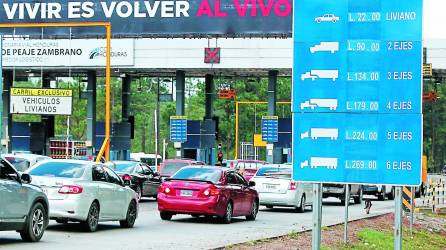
x=59, y=169
x=172, y=167
x=274, y=172
x=200, y=174
x=125, y=167
x=19, y=164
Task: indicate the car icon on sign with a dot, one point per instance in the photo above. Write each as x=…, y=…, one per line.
x=327, y=18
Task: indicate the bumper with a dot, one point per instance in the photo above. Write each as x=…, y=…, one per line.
x=333, y=192
x=209, y=206
x=72, y=209
x=370, y=190
x=286, y=200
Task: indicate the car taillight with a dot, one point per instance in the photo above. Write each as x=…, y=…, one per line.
x=293, y=186
x=126, y=177
x=212, y=191
x=166, y=190
x=71, y=189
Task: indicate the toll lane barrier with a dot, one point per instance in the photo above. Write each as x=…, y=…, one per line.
x=434, y=196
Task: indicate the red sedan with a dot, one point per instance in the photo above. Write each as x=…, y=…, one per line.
x=209, y=191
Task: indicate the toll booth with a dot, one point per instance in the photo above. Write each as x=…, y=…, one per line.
x=120, y=142
x=28, y=137
x=284, y=143
x=201, y=142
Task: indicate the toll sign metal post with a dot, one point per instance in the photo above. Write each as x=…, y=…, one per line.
x=398, y=238
x=317, y=217
x=347, y=202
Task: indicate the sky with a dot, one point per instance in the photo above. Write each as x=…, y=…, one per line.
x=434, y=19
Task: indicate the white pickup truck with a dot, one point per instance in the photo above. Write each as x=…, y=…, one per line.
x=332, y=104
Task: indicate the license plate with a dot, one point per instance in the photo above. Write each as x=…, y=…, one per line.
x=270, y=186
x=186, y=193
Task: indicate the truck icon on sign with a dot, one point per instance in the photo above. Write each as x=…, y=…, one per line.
x=316, y=133
x=315, y=162
x=332, y=104
x=320, y=74
x=325, y=47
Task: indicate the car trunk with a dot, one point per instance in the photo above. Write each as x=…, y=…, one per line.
x=272, y=185
x=189, y=189
x=52, y=185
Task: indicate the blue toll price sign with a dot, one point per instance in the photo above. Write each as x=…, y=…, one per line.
x=178, y=129
x=270, y=129
x=357, y=78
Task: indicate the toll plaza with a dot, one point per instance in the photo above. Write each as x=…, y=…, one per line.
x=131, y=60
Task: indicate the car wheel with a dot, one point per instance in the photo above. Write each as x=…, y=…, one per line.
x=358, y=199
x=35, y=224
x=270, y=207
x=391, y=196
x=227, y=217
x=301, y=208
x=165, y=216
x=382, y=195
x=132, y=213
x=254, y=211
x=91, y=224
x=138, y=191
x=195, y=215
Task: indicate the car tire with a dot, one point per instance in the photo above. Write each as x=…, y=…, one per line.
x=35, y=224
x=227, y=216
x=165, y=216
x=270, y=207
x=391, y=195
x=301, y=208
x=132, y=213
x=358, y=199
x=91, y=224
x=382, y=195
x=254, y=211
x=138, y=191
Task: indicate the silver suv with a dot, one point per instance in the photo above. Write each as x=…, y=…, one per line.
x=23, y=207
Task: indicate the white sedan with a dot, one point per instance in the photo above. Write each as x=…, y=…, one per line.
x=327, y=18
x=276, y=188
x=85, y=192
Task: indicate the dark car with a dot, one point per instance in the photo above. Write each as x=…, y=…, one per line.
x=208, y=191
x=138, y=176
x=338, y=191
x=23, y=207
x=171, y=166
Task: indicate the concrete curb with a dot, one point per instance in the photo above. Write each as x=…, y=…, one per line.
x=306, y=230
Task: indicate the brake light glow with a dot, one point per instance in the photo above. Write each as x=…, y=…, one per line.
x=164, y=189
x=67, y=189
x=126, y=177
x=293, y=186
x=213, y=191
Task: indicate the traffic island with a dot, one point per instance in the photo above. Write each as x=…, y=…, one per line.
x=371, y=233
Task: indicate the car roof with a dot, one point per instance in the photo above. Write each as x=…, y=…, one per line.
x=209, y=167
x=25, y=155
x=73, y=161
x=125, y=161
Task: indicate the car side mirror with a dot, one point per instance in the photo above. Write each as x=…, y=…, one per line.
x=26, y=178
x=251, y=184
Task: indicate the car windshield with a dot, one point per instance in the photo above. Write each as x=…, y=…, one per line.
x=172, y=167
x=200, y=174
x=59, y=169
x=125, y=167
x=19, y=164
x=275, y=172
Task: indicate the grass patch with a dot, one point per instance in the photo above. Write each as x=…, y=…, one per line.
x=374, y=239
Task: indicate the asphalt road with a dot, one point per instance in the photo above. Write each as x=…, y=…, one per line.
x=185, y=232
